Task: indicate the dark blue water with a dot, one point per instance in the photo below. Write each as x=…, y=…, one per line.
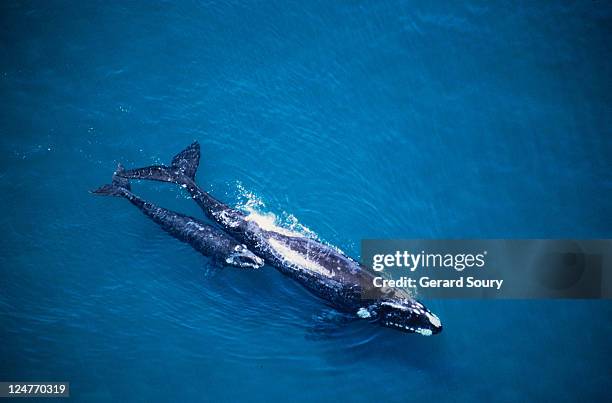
x=353, y=120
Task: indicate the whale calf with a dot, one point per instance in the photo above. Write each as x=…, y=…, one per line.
x=325, y=271
x=204, y=238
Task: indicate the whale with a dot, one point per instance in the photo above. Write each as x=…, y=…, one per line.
x=338, y=280
x=204, y=238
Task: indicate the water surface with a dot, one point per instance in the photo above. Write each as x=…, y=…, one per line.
x=355, y=120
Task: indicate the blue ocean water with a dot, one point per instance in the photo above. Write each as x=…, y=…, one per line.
x=359, y=119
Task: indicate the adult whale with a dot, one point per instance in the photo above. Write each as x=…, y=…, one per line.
x=204, y=238
x=322, y=269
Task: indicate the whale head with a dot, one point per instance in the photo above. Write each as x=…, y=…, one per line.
x=407, y=315
x=242, y=257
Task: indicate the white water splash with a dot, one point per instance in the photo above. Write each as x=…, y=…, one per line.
x=254, y=207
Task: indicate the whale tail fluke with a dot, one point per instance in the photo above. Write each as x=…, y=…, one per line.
x=119, y=186
x=187, y=161
x=183, y=164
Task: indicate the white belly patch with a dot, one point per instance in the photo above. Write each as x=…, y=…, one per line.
x=299, y=259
